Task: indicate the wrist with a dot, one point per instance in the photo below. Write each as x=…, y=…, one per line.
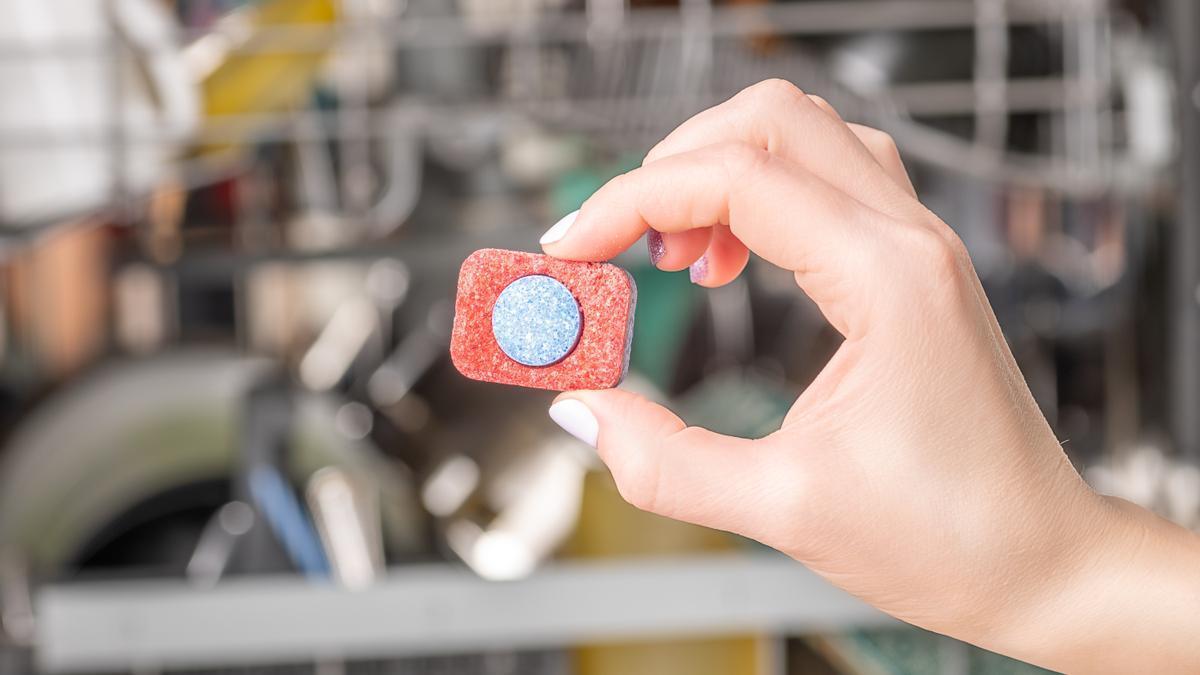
x=1134, y=578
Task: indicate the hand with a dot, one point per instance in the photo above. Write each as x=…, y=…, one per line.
x=916, y=471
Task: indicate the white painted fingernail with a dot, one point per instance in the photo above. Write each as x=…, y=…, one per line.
x=559, y=230
x=575, y=418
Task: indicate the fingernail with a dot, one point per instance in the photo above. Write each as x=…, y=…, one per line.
x=698, y=271
x=559, y=229
x=575, y=418
x=658, y=248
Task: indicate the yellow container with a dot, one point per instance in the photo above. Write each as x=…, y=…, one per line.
x=264, y=59
x=609, y=527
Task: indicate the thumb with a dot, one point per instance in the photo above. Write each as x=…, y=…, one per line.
x=662, y=465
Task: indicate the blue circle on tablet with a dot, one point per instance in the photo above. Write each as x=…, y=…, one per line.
x=536, y=321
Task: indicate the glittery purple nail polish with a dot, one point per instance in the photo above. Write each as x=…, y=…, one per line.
x=658, y=248
x=698, y=271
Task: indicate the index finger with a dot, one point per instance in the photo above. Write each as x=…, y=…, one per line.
x=780, y=118
x=780, y=211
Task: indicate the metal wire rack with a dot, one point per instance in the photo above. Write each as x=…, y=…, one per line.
x=400, y=73
x=393, y=78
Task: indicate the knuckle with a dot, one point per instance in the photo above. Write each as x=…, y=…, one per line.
x=626, y=185
x=774, y=91
x=614, y=184
x=740, y=159
x=821, y=102
x=637, y=481
x=655, y=152
x=879, y=141
x=941, y=256
x=640, y=479
x=688, y=437
x=887, y=144
x=935, y=250
x=792, y=491
x=624, y=403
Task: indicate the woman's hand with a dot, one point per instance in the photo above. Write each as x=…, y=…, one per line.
x=916, y=471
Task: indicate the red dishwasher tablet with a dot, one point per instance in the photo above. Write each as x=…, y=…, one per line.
x=535, y=321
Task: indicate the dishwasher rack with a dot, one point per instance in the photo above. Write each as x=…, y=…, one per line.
x=624, y=76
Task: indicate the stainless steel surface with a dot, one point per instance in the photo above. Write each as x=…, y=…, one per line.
x=433, y=610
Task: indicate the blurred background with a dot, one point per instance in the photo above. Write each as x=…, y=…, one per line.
x=230, y=230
